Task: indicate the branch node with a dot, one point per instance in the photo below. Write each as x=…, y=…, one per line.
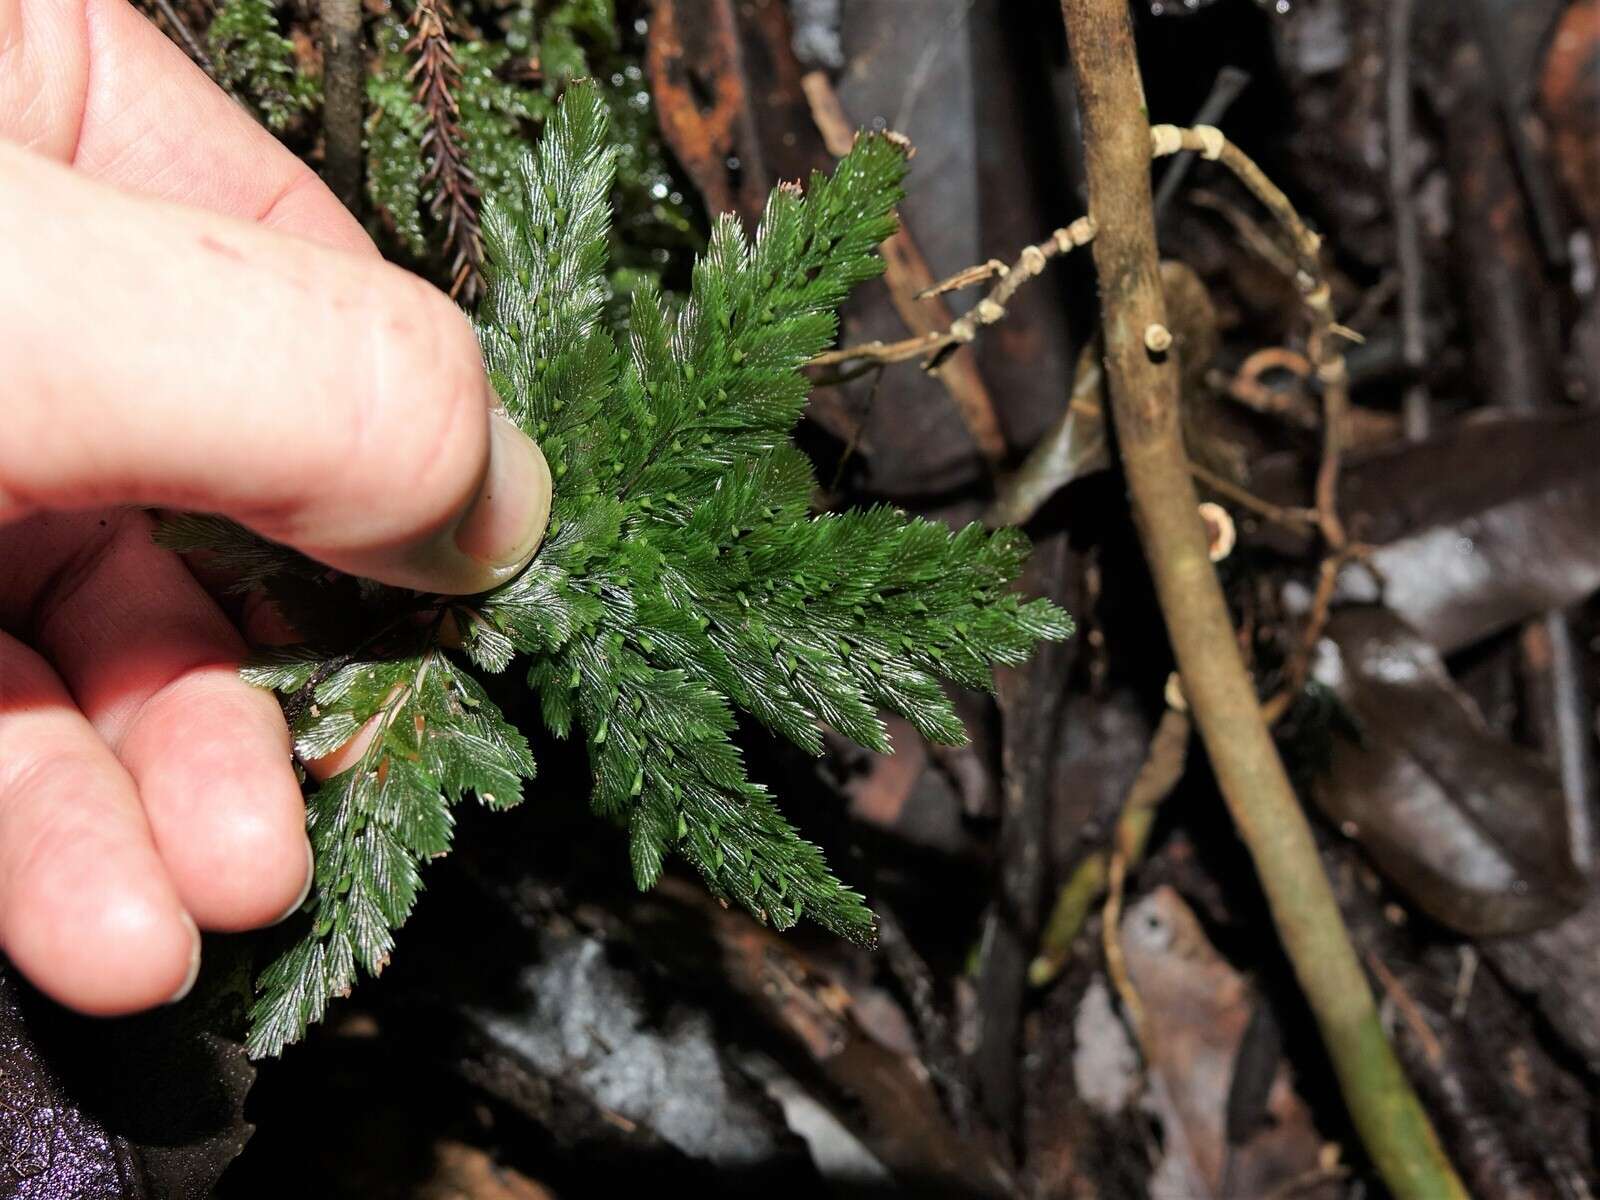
x=1164, y=140
x=1031, y=263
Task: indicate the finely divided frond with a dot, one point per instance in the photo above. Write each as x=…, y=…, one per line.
x=704, y=578
x=662, y=753
x=551, y=361
x=708, y=586
x=437, y=736
x=683, y=578
x=724, y=378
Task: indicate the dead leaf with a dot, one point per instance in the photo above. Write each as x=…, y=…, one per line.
x=1197, y=1010
x=1480, y=528
x=1471, y=827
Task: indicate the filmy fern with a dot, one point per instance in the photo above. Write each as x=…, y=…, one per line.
x=683, y=578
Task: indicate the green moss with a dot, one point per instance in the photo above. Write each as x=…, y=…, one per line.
x=256, y=63
x=508, y=90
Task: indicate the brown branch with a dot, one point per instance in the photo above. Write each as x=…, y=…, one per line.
x=344, y=101
x=454, y=202
x=1249, y=231
x=1247, y=388
x=1335, y=416
x=1116, y=963
x=1225, y=89
x=1144, y=394
x=915, y=292
x=1315, y=293
x=965, y=278
x=1323, y=352
x=1209, y=142
x=934, y=344
x=1413, y=1015
x=1297, y=519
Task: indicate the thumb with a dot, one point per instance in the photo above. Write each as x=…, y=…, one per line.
x=161, y=355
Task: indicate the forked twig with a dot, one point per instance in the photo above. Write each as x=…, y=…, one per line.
x=931, y=347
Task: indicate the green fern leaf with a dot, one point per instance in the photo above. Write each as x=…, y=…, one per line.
x=684, y=578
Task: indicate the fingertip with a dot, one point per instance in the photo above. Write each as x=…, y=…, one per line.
x=505, y=523
x=241, y=872
x=87, y=911
x=299, y=900
x=99, y=934
x=437, y=488
x=490, y=537
x=246, y=871
x=211, y=759
x=187, y=985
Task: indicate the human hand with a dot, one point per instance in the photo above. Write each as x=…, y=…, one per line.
x=189, y=318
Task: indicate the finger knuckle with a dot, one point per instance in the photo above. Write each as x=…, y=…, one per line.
x=420, y=427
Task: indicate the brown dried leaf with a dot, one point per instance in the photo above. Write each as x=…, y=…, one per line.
x=1471, y=827
x=1197, y=1011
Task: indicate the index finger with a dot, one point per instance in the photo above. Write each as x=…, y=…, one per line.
x=164, y=356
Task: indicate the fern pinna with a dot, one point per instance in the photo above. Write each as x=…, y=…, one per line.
x=683, y=578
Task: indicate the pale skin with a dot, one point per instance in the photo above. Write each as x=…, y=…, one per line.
x=189, y=319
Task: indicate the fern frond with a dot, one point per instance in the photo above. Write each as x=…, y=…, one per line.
x=684, y=578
